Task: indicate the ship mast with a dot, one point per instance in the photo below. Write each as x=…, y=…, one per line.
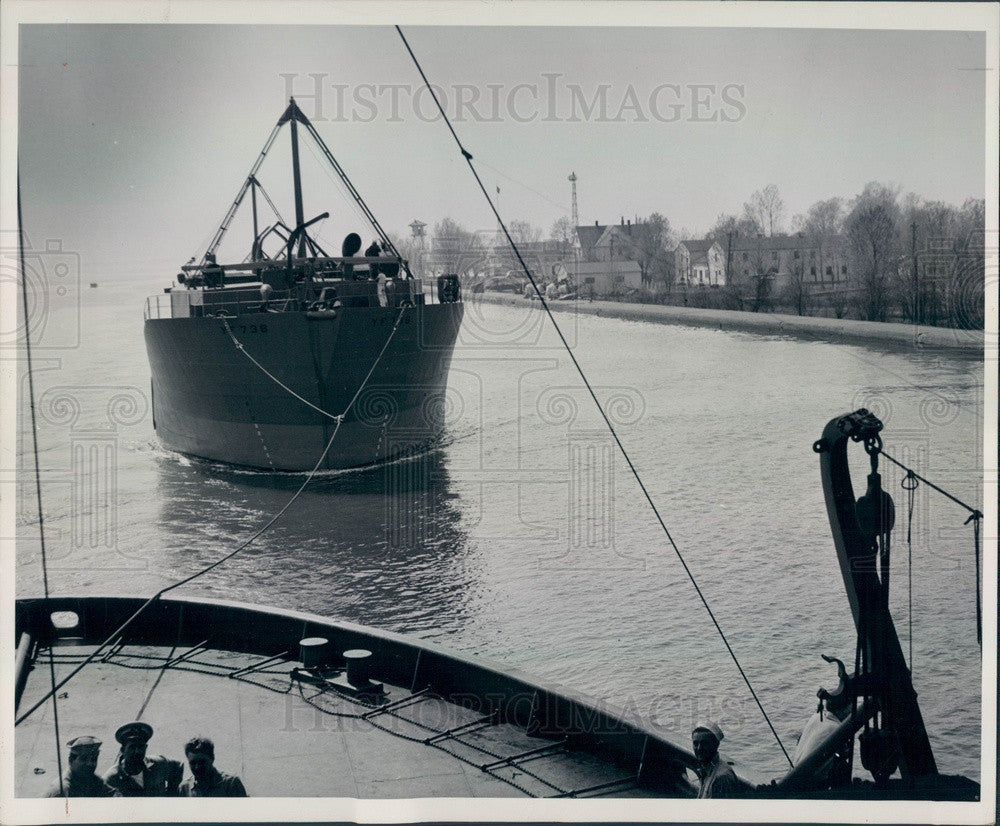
x=293, y=109
x=306, y=245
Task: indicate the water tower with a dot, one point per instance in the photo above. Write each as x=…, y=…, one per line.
x=417, y=233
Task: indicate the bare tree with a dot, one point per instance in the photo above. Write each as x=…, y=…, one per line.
x=824, y=219
x=524, y=232
x=563, y=231
x=968, y=297
x=823, y=225
x=454, y=247
x=762, y=272
x=730, y=225
x=796, y=293
x=766, y=209
x=649, y=243
x=407, y=249
x=726, y=231
x=872, y=233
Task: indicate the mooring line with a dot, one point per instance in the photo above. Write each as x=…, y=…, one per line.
x=468, y=159
x=319, y=462
x=38, y=472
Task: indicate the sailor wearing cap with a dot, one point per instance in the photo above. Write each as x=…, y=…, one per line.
x=135, y=774
x=716, y=776
x=79, y=779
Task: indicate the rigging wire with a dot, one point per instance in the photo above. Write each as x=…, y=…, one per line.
x=338, y=185
x=909, y=484
x=468, y=159
x=957, y=501
x=38, y=472
x=975, y=517
x=523, y=185
x=319, y=463
x=270, y=203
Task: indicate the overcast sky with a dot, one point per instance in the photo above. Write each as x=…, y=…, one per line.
x=134, y=139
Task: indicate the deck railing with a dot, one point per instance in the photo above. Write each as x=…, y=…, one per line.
x=185, y=303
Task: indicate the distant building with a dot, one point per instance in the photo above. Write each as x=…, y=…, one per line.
x=784, y=259
x=605, y=278
x=627, y=241
x=781, y=259
x=700, y=263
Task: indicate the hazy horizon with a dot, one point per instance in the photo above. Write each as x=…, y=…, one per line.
x=135, y=138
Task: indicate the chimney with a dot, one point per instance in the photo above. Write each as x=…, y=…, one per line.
x=596, y=224
x=629, y=222
x=623, y=220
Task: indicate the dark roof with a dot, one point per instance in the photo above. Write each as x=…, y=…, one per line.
x=775, y=242
x=696, y=245
x=589, y=235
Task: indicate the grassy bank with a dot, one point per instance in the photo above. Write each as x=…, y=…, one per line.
x=837, y=330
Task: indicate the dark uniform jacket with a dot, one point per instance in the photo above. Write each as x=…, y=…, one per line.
x=160, y=778
x=89, y=786
x=219, y=784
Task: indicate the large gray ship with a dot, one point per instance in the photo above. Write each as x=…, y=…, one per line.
x=294, y=359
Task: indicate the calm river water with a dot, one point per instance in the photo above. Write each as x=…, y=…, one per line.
x=523, y=538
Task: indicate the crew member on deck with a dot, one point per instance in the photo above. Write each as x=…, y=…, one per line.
x=79, y=779
x=135, y=774
x=206, y=780
x=373, y=251
x=716, y=776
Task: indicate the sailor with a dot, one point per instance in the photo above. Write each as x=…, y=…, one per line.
x=213, y=274
x=206, y=780
x=79, y=779
x=716, y=776
x=135, y=774
x=265, y=295
x=383, y=298
x=373, y=252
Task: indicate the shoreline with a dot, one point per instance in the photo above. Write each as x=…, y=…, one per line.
x=833, y=330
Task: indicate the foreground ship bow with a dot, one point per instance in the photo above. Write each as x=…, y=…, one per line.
x=398, y=717
x=269, y=362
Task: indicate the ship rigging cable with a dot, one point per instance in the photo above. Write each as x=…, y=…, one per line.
x=38, y=473
x=260, y=531
x=293, y=113
x=975, y=517
x=468, y=159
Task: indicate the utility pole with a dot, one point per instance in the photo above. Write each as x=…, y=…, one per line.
x=729, y=254
x=916, y=281
x=576, y=214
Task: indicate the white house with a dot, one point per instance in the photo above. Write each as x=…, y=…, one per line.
x=700, y=263
x=605, y=278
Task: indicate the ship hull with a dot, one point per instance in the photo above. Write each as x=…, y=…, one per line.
x=248, y=390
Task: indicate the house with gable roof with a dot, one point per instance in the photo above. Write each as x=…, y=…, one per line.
x=700, y=263
x=623, y=242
